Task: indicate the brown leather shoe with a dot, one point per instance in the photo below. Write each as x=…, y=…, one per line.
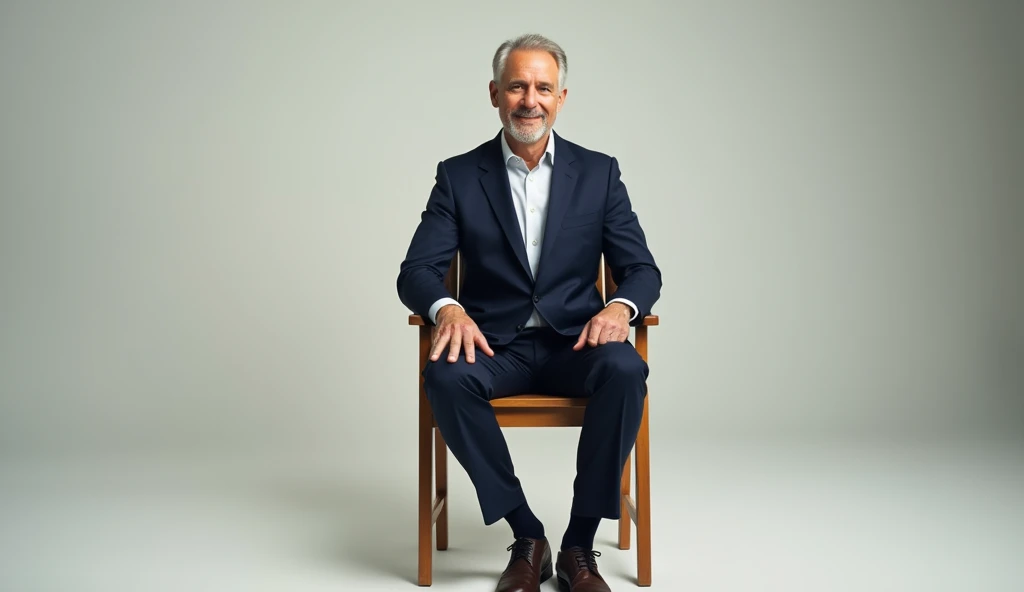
x=577, y=571
x=529, y=565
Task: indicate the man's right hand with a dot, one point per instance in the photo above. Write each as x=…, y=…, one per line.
x=454, y=326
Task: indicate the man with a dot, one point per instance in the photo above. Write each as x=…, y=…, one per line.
x=531, y=214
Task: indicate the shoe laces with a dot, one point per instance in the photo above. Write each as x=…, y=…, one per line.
x=587, y=559
x=522, y=549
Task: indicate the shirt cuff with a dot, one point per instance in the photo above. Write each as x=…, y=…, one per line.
x=432, y=313
x=627, y=303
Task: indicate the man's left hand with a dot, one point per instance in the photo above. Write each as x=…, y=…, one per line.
x=611, y=324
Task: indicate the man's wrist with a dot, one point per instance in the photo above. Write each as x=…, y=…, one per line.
x=621, y=308
x=447, y=309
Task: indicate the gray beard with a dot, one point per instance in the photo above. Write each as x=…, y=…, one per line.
x=522, y=135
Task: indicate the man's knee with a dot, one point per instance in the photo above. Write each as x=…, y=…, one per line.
x=624, y=359
x=623, y=364
x=446, y=382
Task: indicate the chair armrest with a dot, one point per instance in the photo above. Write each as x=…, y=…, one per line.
x=648, y=321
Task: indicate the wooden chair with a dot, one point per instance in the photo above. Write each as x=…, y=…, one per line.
x=527, y=410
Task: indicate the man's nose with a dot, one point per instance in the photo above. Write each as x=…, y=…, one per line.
x=530, y=98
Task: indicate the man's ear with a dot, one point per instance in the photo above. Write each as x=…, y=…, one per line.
x=492, y=89
x=561, y=99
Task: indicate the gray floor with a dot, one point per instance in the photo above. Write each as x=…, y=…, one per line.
x=730, y=519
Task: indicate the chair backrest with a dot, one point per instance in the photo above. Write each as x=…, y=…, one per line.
x=453, y=279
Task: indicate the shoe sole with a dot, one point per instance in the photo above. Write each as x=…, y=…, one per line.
x=563, y=582
x=545, y=573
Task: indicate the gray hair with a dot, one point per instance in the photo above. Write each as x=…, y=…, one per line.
x=529, y=41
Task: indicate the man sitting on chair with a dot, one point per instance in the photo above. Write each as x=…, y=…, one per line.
x=531, y=214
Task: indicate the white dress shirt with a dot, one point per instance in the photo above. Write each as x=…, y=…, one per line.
x=530, y=192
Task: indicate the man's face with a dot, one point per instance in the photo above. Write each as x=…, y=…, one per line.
x=527, y=96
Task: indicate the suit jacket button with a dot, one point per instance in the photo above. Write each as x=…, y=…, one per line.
x=519, y=328
x=536, y=298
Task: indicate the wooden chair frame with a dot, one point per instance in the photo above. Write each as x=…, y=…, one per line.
x=526, y=410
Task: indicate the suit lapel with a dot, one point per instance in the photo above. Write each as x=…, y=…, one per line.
x=563, y=183
x=495, y=184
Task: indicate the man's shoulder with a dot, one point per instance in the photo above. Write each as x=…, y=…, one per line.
x=580, y=153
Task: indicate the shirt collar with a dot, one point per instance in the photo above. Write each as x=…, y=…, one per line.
x=549, y=150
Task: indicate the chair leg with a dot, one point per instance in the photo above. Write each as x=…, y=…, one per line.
x=625, y=522
x=424, y=492
x=441, y=478
x=643, y=500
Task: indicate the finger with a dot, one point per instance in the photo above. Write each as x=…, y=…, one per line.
x=441, y=339
x=482, y=342
x=583, y=337
x=595, y=334
x=468, y=345
x=606, y=335
x=456, y=345
x=613, y=333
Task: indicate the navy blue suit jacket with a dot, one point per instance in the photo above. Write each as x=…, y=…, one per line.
x=470, y=209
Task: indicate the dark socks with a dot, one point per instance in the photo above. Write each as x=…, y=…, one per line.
x=524, y=523
x=580, y=532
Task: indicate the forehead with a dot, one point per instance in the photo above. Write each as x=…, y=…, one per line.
x=531, y=65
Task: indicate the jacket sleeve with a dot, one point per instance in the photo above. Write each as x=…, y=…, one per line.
x=421, y=275
x=625, y=249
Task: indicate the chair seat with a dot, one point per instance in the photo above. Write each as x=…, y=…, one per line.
x=533, y=410
x=535, y=400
